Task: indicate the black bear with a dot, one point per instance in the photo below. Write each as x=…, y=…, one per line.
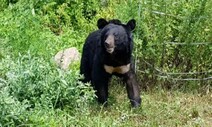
x=107, y=52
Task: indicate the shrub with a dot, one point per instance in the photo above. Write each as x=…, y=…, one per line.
x=41, y=84
x=12, y=112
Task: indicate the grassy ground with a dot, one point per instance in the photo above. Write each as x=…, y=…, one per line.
x=159, y=108
x=166, y=108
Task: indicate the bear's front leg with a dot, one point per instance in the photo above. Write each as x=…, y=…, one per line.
x=100, y=80
x=132, y=88
x=102, y=92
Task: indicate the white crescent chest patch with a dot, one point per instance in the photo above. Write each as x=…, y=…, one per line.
x=120, y=69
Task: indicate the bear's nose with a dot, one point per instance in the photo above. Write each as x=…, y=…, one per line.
x=107, y=45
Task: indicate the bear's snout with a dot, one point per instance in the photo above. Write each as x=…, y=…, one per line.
x=107, y=45
x=110, y=43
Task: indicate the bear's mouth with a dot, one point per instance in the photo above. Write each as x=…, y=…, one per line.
x=110, y=50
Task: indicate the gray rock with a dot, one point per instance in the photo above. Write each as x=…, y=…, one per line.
x=67, y=56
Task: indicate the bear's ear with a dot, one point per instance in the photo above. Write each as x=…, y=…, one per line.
x=101, y=23
x=131, y=24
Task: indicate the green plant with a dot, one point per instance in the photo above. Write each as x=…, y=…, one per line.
x=172, y=48
x=41, y=84
x=12, y=112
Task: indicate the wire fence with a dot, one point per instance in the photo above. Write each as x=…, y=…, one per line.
x=168, y=75
x=159, y=72
x=194, y=43
x=172, y=75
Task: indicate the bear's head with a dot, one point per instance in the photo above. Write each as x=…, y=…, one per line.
x=116, y=38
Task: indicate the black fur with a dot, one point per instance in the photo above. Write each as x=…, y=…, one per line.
x=95, y=56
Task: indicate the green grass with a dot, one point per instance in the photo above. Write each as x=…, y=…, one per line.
x=165, y=108
x=159, y=108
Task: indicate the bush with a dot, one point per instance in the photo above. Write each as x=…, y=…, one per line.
x=12, y=112
x=40, y=84
x=35, y=26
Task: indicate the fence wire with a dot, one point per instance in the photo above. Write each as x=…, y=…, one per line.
x=175, y=76
x=168, y=75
